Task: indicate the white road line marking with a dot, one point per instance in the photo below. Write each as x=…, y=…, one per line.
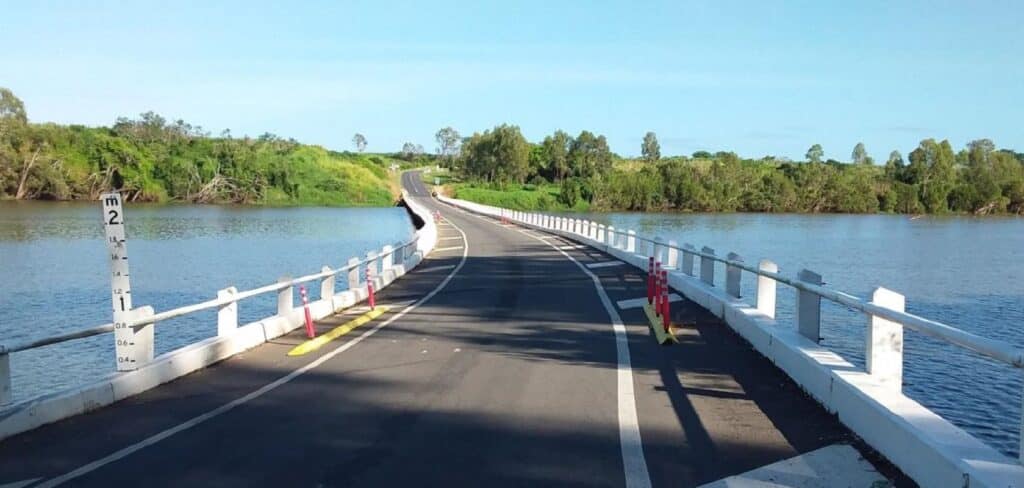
x=633, y=461
x=605, y=264
x=630, y=443
x=436, y=268
x=99, y=463
x=639, y=302
x=449, y=238
x=20, y=484
x=571, y=247
x=443, y=249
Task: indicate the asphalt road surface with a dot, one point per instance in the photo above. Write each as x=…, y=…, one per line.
x=503, y=361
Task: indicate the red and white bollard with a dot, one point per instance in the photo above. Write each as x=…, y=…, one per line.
x=650, y=280
x=666, y=311
x=310, y=331
x=369, y=289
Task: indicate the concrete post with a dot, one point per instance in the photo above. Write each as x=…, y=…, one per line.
x=386, y=259
x=575, y=226
x=707, y=266
x=353, y=273
x=808, y=307
x=733, y=274
x=399, y=256
x=600, y=233
x=672, y=255
x=610, y=232
x=326, y=284
x=6, y=397
x=688, y=251
x=657, y=250
x=630, y=241
x=766, y=289
x=227, y=314
x=372, y=264
x=285, y=302
x=884, y=355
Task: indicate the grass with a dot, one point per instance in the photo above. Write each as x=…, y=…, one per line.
x=518, y=197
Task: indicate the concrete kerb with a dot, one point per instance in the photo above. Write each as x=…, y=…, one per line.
x=925, y=446
x=29, y=414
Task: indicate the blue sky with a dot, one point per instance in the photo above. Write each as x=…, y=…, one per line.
x=752, y=77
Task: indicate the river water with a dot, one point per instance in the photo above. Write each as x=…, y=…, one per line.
x=962, y=271
x=54, y=271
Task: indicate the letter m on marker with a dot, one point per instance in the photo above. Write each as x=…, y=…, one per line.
x=110, y=201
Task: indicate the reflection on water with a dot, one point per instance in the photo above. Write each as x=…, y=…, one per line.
x=965, y=272
x=54, y=272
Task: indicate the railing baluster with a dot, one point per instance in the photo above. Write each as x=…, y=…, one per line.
x=672, y=258
x=707, y=266
x=766, y=288
x=808, y=307
x=884, y=341
x=688, y=252
x=733, y=274
x=631, y=241
x=227, y=314
x=285, y=302
x=326, y=284
x=6, y=396
x=354, y=279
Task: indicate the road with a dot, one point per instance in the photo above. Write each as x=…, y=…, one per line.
x=503, y=360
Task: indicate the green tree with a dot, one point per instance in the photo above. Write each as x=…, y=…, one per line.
x=359, y=141
x=815, y=153
x=448, y=141
x=860, y=155
x=589, y=155
x=650, y=148
x=556, y=148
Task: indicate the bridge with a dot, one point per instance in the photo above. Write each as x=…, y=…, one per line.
x=511, y=349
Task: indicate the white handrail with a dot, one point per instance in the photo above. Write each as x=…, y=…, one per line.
x=197, y=307
x=999, y=350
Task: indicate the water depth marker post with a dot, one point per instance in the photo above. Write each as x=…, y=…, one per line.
x=133, y=348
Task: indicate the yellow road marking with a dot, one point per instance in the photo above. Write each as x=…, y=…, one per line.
x=660, y=334
x=314, y=344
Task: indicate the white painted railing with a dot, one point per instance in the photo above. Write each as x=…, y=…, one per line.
x=863, y=403
x=380, y=266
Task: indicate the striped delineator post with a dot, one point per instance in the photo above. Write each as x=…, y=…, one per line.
x=650, y=279
x=665, y=307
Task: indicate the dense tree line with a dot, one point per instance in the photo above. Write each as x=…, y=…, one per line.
x=153, y=159
x=936, y=179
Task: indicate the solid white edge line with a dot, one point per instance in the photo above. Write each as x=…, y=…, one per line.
x=443, y=249
x=86, y=469
x=633, y=461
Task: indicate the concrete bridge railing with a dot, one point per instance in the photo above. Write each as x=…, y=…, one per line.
x=384, y=267
x=870, y=401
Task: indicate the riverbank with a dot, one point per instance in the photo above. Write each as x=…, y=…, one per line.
x=153, y=159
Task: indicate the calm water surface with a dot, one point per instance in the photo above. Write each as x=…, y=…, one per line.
x=965, y=272
x=54, y=274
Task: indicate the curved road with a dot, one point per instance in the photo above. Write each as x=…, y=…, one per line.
x=510, y=372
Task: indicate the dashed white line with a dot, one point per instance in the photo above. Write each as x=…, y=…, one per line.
x=605, y=264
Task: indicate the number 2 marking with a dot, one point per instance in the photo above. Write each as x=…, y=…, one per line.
x=113, y=217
